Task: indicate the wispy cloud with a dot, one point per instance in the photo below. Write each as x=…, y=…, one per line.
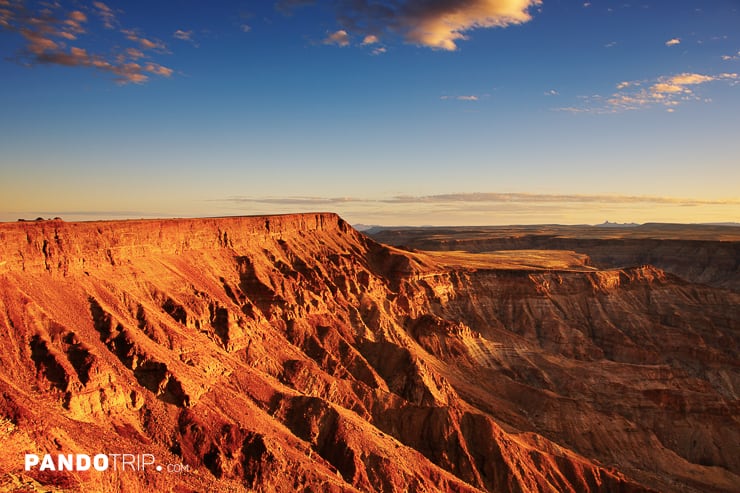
x=135, y=53
x=673, y=42
x=126, y=72
x=183, y=35
x=554, y=198
x=295, y=200
x=667, y=92
x=731, y=57
x=487, y=197
x=145, y=43
x=106, y=14
x=50, y=29
x=492, y=208
x=464, y=97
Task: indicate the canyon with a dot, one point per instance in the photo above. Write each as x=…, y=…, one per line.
x=294, y=353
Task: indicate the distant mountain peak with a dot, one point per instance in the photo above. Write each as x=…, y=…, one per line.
x=607, y=224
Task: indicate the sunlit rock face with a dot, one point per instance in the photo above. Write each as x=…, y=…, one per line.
x=292, y=353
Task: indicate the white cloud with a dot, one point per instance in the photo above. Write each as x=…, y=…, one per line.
x=673, y=42
x=464, y=97
x=183, y=35
x=666, y=91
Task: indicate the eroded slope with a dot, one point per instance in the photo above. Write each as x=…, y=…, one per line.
x=292, y=353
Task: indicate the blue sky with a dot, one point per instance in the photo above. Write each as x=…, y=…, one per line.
x=405, y=112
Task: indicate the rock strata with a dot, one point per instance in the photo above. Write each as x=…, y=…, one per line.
x=292, y=353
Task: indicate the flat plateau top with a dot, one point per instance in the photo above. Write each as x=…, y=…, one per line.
x=655, y=231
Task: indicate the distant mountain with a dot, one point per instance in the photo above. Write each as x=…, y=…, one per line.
x=366, y=227
x=607, y=224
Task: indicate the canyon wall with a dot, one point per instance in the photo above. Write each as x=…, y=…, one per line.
x=705, y=260
x=292, y=353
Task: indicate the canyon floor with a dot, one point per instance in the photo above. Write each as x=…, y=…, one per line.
x=293, y=353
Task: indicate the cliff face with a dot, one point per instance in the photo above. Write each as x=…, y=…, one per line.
x=706, y=255
x=292, y=353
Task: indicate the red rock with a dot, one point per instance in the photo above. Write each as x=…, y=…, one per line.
x=290, y=353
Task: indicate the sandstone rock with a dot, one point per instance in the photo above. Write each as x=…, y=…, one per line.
x=292, y=353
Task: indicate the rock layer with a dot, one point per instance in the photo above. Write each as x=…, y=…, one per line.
x=292, y=353
x=698, y=253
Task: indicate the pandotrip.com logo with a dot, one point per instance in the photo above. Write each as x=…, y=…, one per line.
x=100, y=463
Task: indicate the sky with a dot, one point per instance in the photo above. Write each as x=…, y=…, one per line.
x=390, y=112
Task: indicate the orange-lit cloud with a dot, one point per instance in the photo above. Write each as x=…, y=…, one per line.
x=370, y=39
x=144, y=43
x=689, y=79
x=442, y=24
x=673, y=42
x=438, y=24
x=77, y=17
x=339, y=38
x=158, y=69
x=106, y=14
x=125, y=72
x=49, y=32
x=135, y=53
x=664, y=87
